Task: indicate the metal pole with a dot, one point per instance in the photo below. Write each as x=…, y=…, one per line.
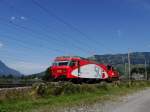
x=123, y=61
x=125, y=69
x=146, y=70
x=129, y=65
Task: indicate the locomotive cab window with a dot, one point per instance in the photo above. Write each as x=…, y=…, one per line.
x=73, y=63
x=54, y=64
x=61, y=63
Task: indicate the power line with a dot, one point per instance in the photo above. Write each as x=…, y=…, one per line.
x=35, y=33
x=26, y=28
x=71, y=26
x=59, y=43
x=45, y=28
x=25, y=47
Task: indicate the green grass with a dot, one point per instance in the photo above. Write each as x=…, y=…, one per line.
x=70, y=95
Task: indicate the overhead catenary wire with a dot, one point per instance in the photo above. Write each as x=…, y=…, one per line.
x=25, y=28
x=79, y=40
x=58, y=42
x=38, y=33
x=76, y=46
x=24, y=43
x=71, y=26
x=24, y=49
x=50, y=13
x=47, y=36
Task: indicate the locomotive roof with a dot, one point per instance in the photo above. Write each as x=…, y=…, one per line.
x=73, y=58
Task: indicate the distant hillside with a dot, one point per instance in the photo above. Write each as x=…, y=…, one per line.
x=5, y=70
x=116, y=59
x=36, y=75
x=43, y=75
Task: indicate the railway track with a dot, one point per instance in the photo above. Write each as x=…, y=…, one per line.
x=14, y=85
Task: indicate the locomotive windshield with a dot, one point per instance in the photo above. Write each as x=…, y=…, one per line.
x=61, y=63
x=64, y=63
x=72, y=63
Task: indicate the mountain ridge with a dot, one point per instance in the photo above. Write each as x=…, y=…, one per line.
x=5, y=70
x=115, y=59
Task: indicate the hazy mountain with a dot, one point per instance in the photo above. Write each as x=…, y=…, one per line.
x=5, y=70
x=116, y=59
x=37, y=75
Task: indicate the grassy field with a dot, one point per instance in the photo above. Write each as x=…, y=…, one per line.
x=51, y=97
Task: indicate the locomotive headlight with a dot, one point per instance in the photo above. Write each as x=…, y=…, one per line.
x=59, y=71
x=64, y=70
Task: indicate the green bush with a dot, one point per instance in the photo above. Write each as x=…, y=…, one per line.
x=40, y=89
x=3, y=110
x=56, y=91
x=61, y=88
x=70, y=88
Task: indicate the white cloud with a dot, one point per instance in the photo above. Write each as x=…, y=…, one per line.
x=12, y=18
x=1, y=45
x=23, y=18
x=28, y=68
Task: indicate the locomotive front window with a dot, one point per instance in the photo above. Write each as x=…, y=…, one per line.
x=61, y=63
x=73, y=63
x=54, y=64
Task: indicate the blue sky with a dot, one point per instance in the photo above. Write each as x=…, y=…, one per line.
x=30, y=37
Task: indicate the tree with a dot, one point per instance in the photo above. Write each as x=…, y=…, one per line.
x=138, y=73
x=136, y=70
x=3, y=76
x=10, y=76
x=47, y=75
x=148, y=72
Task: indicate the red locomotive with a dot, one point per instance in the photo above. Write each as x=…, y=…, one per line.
x=78, y=68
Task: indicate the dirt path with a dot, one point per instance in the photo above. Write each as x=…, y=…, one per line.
x=137, y=102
